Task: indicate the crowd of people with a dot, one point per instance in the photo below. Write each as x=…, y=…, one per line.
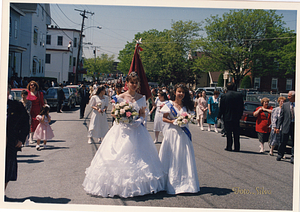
x=125, y=166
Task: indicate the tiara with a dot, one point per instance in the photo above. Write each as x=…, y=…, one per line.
x=133, y=74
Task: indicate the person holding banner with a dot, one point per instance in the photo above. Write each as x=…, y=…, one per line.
x=177, y=152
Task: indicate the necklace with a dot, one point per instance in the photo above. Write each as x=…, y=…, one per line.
x=132, y=97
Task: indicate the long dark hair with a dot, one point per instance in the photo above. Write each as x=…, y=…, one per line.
x=99, y=89
x=187, y=101
x=163, y=94
x=44, y=111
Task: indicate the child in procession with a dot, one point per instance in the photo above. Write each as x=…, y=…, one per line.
x=43, y=130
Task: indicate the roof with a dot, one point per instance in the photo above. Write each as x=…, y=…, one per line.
x=215, y=75
x=62, y=29
x=26, y=7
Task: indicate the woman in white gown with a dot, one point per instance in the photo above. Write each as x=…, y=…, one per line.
x=126, y=164
x=98, y=123
x=158, y=122
x=177, y=152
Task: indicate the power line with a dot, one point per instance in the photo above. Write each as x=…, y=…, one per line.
x=66, y=15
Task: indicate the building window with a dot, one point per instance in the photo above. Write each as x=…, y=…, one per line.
x=37, y=11
x=59, y=40
x=34, y=65
x=48, y=39
x=274, y=83
x=289, y=83
x=35, y=35
x=257, y=82
x=40, y=65
x=70, y=61
x=16, y=29
x=42, y=13
x=10, y=27
x=74, y=61
x=48, y=58
x=75, y=42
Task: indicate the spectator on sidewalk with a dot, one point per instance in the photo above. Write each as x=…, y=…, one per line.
x=84, y=99
x=274, y=137
x=286, y=121
x=231, y=108
x=263, y=121
x=17, y=129
x=60, y=98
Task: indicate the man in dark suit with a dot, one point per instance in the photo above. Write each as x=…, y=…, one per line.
x=85, y=97
x=231, y=108
x=60, y=98
x=17, y=129
x=286, y=122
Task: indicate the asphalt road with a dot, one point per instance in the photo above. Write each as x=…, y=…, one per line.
x=228, y=180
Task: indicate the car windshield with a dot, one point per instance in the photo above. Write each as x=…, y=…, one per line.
x=66, y=90
x=250, y=107
x=51, y=92
x=16, y=95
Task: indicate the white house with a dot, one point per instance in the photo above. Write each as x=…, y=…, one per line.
x=15, y=46
x=33, y=29
x=61, y=53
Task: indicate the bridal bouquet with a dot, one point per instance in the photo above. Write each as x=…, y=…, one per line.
x=99, y=105
x=185, y=118
x=124, y=112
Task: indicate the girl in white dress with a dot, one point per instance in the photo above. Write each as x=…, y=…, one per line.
x=176, y=152
x=158, y=122
x=98, y=124
x=126, y=164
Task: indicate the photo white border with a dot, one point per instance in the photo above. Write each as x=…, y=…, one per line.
x=255, y=4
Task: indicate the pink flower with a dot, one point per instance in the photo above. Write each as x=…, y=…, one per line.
x=184, y=114
x=113, y=101
x=185, y=121
x=128, y=114
x=122, y=111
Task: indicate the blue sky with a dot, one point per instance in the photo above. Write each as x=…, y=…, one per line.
x=120, y=23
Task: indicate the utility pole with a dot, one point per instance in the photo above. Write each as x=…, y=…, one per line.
x=95, y=51
x=95, y=55
x=80, y=43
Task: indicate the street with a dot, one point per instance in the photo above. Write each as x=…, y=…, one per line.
x=228, y=180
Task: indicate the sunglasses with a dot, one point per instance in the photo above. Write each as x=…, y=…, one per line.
x=32, y=85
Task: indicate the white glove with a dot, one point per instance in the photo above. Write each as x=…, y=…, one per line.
x=175, y=122
x=137, y=122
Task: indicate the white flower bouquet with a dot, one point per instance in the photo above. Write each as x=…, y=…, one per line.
x=124, y=112
x=99, y=105
x=184, y=119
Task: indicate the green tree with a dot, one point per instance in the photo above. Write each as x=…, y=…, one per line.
x=165, y=55
x=99, y=65
x=221, y=80
x=246, y=82
x=239, y=40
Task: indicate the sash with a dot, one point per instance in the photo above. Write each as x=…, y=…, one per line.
x=174, y=113
x=115, y=98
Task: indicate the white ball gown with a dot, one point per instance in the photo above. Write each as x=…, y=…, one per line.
x=98, y=123
x=126, y=163
x=158, y=122
x=178, y=159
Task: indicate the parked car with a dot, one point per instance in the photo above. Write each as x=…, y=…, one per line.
x=75, y=89
x=16, y=93
x=51, y=97
x=248, y=121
